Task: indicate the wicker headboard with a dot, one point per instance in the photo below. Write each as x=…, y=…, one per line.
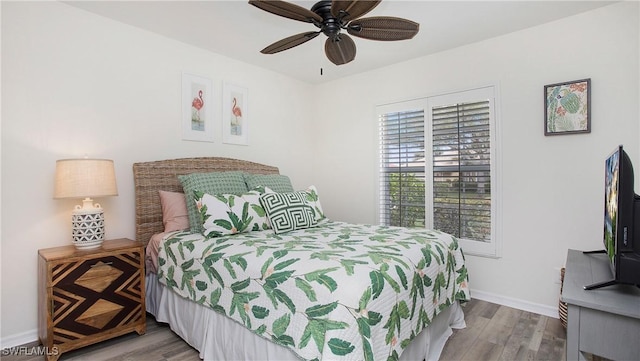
x=150, y=177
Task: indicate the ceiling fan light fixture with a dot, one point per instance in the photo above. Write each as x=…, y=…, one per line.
x=333, y=16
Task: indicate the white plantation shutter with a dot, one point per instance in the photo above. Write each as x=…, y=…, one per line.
x=438, y=167
x=402, y=190
x=461, y=149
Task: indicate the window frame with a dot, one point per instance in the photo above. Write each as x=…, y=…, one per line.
x=408, y=106
x=492, y=249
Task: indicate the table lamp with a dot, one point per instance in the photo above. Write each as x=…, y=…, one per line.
x=86, y=178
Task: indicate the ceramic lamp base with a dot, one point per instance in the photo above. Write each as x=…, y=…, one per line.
x=88, y=227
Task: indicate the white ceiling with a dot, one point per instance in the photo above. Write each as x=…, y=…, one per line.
x=238, y=30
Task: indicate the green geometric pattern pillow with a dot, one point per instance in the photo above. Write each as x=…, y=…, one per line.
x=277, y=182
x=224, y=214
x=212, y=183
x=288, y=211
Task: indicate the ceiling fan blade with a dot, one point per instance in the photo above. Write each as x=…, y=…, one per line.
x=287, y=10
x=341, y=49
x=352, y=9
x=290, y=42
x=383, y=28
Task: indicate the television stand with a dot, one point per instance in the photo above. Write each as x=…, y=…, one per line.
x=603, y=322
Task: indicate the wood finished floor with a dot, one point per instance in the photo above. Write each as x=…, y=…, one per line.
x=497, y=332
x=493, y=332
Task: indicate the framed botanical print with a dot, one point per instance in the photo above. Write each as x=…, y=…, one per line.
x=567, y=107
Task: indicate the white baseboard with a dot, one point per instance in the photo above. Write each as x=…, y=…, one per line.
x=20, y=339
x=516, y=303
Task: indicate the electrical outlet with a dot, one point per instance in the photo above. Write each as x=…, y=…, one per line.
x=557, y=278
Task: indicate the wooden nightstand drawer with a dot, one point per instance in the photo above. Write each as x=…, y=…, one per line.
x=92, y=295
x=94, y=273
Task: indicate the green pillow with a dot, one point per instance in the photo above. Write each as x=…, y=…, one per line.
x=212, y=183
x=277, y=182
x=288, y=211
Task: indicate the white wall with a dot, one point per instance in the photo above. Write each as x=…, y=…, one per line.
x=75, y=83
x=552, y=187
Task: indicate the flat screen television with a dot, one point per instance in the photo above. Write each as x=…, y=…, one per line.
x=621, y=221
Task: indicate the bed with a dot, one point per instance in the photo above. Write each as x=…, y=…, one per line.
x=326, y=291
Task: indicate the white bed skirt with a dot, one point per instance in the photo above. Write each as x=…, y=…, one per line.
x=218, y=337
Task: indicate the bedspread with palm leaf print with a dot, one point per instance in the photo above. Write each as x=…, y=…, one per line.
x=338, y=291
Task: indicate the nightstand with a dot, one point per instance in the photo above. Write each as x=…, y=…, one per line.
x=87, y=296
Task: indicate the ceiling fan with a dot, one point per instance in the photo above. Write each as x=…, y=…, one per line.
x=333, y=16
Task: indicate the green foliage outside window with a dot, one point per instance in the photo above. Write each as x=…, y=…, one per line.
x=406, y=193
x=407, y=206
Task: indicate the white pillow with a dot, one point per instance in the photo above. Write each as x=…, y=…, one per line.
x=311, y=196
x=224, y=214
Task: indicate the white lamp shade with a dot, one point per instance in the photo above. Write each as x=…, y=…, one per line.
x=81, y=178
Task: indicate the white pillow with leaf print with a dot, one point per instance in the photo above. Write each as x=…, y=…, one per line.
x=224, y=214
x=311, y=196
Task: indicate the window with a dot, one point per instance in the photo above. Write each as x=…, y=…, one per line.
x=462, y=169
x=438, y=167
x=402, y=172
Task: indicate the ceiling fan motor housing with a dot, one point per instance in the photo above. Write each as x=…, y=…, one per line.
x=330, y=25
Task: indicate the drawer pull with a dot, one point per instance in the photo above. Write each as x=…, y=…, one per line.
x=99, y=264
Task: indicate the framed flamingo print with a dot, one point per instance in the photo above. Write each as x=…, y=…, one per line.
x=235, y=126
x=197, y=108
x=567, y=107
